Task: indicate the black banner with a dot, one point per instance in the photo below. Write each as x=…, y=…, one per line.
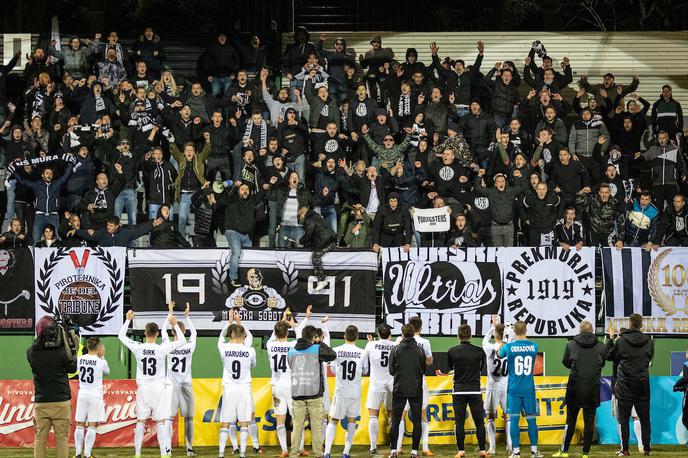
x=16, y=291
x=272, y=281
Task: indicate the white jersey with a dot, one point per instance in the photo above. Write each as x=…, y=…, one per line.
x=497, y=372
x=349, y=366
x=277, y=356
x=91, y=369
x=179, y=360
x=237, y=360
x=378, y=352
x=150, y=357
x=422, y=342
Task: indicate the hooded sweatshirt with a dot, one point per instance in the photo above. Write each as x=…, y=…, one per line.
x=632, y=353
x=585, y=356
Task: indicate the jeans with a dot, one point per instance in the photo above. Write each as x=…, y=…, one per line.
x=126, y=199
x=415, y=407
x=337, y=90
x=503, y=235
x=9, y=213
x=220, y=85
x=184, y=210
x=462, y=111
x=291, y=232
x=39, y=222
x=236, y=241
x=294, y=84
x=502, y=121
x=72, y=203
x=272, y=222
x=153, y=211
x=330, y=215
x=299, y=166
x=475, y=402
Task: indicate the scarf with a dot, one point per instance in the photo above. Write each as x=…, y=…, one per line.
x=100, y=103
x=404, y=105
x=263, y=133
x=100, y=201
x=142, y=120
x=67, y=157
x=325, y=111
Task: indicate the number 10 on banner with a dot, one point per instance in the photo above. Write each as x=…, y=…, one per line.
x=329, y=290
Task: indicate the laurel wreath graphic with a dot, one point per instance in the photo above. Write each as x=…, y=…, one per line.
x=290, y=275
x=663, y=300
x=219, y=273
x=45, y=300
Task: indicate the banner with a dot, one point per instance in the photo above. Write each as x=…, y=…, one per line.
x=550, y=288
x=445, y=287
x=665, y=413
x=271, y=282
x=17, y=407
x=16, y=291
x=431, y=219
x=83, y=284
x=653, y=284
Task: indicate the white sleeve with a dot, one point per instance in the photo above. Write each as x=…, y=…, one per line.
x=106, y=367
x=487, y=346
x=248, y=340
x=365, y=361
x=163, y=331
x=428, y=350
x=299, y=328
x=168, y=346
x=221, y=339
x=192, y=329
x=253, y=358
x=122, y=336
x=326, y=334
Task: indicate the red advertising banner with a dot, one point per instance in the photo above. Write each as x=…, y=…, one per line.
x=17, y=411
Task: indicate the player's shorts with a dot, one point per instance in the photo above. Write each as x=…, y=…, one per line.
x=379, y=398
x=615, y=409
x=526, y=405
x=281, y=399
x=345, y=407
x=493, y=400
x=426, y=398
x=89, y=409
x=237, y=405
x=153, y=401
x=182, y=399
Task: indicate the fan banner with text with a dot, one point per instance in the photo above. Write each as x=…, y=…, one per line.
x=271, y=282
x=550, y=288
x=16, y=291
x=652, y=283
x=85, y=285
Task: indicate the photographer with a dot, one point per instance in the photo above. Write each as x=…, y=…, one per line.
x=52, y=356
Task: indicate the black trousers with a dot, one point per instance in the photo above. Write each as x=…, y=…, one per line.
x=316, y=260
x=643, y=410
x=685, y=410
x=664, y=194
x=475, y=402
x=415, y=407
x=588, y=426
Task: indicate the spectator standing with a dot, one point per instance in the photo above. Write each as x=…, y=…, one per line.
x=223, y=63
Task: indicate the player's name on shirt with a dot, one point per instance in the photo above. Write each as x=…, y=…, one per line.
x=280, y=349
x=236, y=354
x=523, y=348
x=349, y=354
x=88, y=362
x=182, y=352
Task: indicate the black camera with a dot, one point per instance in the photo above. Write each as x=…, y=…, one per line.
x=62, y=331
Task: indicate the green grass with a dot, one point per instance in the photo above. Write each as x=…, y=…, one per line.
x=362, y=452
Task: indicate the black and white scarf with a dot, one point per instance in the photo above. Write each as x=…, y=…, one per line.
x=404, y=105
x=100, y=103
x=67, y=157
x=263, y=133
x=100, y=201
x=142, y=120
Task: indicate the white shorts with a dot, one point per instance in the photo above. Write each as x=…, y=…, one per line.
x=426, y=398
x=89, y=409
x=494, y=399
x=281, y=400
x=237, y=405
x=345, y=407
x=615, y=409
x=182, y=399
x=379, y=398
x=153, y=401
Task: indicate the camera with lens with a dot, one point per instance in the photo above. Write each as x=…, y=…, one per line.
x=63, y=332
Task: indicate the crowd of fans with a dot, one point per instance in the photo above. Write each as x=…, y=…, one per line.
x=339, y=154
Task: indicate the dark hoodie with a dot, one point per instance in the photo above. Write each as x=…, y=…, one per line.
x=392, y=227
x=317, y=232
x=585, y=356
x=166, y=235
x=337, y=60
x=407, y=365
x=296, y=53
x=632, y=353
x=411, y=68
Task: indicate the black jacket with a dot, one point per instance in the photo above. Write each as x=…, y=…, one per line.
x=12, y=240
x=407, y=364
x=542, y=213
x=317, y=233
x=223, y=60
x=122, y=237
x=585, y=356
x=281, y=194
x=673, y=227
x=240, y=213
x=392, y=227
x=632, y=353
x=50, y=367
x=467, y=361
x=166, y=235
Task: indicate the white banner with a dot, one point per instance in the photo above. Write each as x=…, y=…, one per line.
x=431, y=219
x=549, y=288
x=83, y=284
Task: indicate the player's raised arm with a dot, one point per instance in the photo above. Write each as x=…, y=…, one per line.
x=163, y=331
x=193, y=334
x=181, y=339
x=122, y=335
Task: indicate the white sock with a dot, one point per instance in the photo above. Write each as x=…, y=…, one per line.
x=517, y=450
x=372, y=431
x=168, y=425
x=138, y=437
x=282, y=437
x=161, y=429
x=224, y=434
x=243, y=439
x=638, y=433
x=533, y=449
x=78, y=439
x=324, y=427
x=89, y=440
x=491, y=434
x=425, y=431
x=507, y=429
x=330, y=431
x=618, y=431
x=233, y=436
x=350, y=433
x=253, y=431
x=400, y=439
x=188, y=432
